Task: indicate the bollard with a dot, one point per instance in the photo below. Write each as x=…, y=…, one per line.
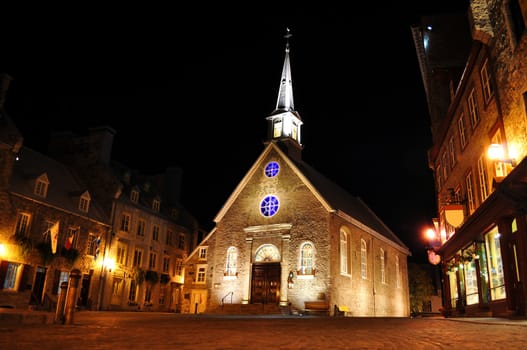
x=71, y=299
x=59, y=312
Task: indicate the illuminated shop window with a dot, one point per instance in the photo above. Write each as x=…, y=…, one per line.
x=495, y=265
x=272, y=169
x=269, y=206
x=471, y=282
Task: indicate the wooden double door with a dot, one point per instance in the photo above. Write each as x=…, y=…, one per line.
x=265, y=283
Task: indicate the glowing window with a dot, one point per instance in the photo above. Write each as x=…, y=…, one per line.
x=272, y=169
x=363, y=261
x=230, y=265
x=269, y=206
x=306, y=259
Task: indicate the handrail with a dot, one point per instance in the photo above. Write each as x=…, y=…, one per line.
x=231, y=293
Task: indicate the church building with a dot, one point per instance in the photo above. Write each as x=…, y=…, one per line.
x=288, y=236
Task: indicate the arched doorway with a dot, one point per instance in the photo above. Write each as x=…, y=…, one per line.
x=266, y=272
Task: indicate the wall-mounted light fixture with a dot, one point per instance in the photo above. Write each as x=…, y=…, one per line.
x=290, y=281
x=496, y=152
x=3, y=250
x=108, y=264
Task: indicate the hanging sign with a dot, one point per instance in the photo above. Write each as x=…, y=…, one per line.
x=454, y=214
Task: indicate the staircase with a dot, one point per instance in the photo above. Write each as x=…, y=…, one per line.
x=249, y=309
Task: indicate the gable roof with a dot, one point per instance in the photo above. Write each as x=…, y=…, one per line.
x=64, y=188
x=333, y=197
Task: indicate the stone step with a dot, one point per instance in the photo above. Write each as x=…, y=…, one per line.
x=247, y=309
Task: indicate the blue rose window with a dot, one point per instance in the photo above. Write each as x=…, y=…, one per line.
x=271, y=169
x=269, y=206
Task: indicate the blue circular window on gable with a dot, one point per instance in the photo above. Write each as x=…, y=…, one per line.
x=272, y=169
x=269, y=206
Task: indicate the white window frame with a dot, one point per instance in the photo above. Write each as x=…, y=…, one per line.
x=202, y=255
x=231, y=262
x=22, y=224
x=41, y=186
x=382, y=255
x=155, y=232
x=201, y=273
x=462, y=131
x=166, y=264
x=125, y=222
x=141, y=227
x=344, y=253
x=473, y=109
x=363, y=259
x=483, y=178
x=152, y=261
x=134, y=196
x=138, y=257
x=156, y=205
x=469, y=184
x=486, y=83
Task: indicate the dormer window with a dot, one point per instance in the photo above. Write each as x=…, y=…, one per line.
x=41, y=185
x=134, y=196
x=84, y=202
x=156, y=205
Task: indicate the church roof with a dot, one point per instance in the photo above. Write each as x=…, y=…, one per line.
x=64, y=186
x=341, y=200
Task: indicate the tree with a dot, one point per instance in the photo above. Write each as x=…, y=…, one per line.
x=421, y=286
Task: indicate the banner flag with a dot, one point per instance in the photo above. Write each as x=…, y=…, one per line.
x=54, y=232
x=97, y=242
x=69, y=240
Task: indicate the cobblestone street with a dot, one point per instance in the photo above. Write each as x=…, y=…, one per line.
x=129, y=330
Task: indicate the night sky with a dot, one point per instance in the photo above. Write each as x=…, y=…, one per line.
x=191, y=87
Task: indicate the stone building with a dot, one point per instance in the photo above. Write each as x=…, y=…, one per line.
x=152, y=233
x=475, y=81
x=49, y=225
x=125, y=231
x=288, y=236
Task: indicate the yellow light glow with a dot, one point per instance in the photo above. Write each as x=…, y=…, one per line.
x=109, y=263
x=3, y=250
x=430, y=234
x=496, y=152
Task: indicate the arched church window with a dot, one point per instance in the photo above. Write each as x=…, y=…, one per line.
x=344, y=252
x=307, y=254
x=230, y=263
x=363, y=259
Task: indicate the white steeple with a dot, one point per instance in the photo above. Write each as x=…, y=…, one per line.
x=284, y=123
x=285, y=100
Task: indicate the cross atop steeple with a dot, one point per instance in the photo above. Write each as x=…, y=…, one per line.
x=285, y=93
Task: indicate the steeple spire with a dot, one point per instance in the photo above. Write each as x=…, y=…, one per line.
x=285, y=93
x=284, y=122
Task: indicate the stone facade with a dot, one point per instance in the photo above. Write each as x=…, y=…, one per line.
x=129, y=241
x=303, y=217
x=483, y=254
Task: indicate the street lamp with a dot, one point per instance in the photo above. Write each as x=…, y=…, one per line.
x=496, y=152
x=433, y=243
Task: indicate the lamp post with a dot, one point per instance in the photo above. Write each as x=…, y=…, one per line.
x=433, y=237
x=107, y=265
